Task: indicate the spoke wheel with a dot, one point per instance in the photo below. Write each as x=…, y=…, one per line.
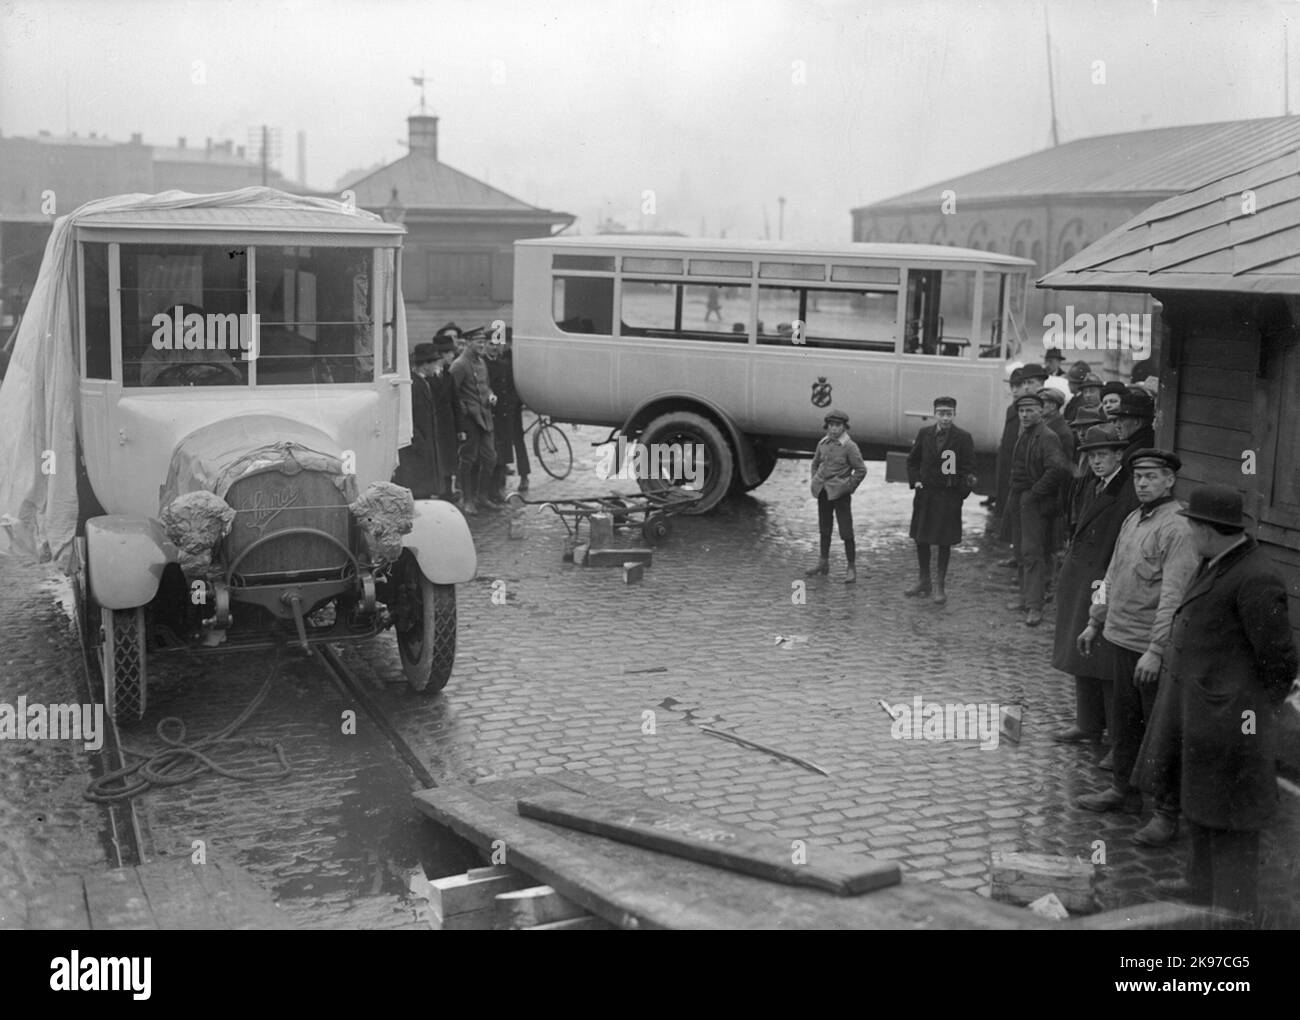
x=553, y=450
x=426, y=628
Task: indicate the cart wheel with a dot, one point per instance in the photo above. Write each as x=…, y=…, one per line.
x=426, y=629
x=122, y=662
x=657, y=528
x=619, y=518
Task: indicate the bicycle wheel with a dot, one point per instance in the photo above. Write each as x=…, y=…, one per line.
x=553, y=451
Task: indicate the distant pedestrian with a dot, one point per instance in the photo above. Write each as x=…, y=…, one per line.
x=1153, y=561
x=478, y=452
x=714, y=304
x=941, y=470
x=1232, y=658
x=837, y=471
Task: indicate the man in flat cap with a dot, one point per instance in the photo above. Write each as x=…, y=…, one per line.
x=1232, y=658
x=1153, y=561
x=1039, y=468
x=941, y=471
x=1075, y=378
x=837, y=471
x=1099, y=513
x=1027, y=379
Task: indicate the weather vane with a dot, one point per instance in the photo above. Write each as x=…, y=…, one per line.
x=420, y=81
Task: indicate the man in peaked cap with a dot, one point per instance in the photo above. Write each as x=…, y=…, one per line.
x=1021, y=381
x=941, y=472
x=1149, y=571
x=1038, y=469
x=1094, y=527
x=1232, y=658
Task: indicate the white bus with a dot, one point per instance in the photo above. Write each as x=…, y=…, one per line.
x=742, y=347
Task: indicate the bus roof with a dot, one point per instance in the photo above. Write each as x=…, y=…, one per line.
x=855, y=249
x=240, y=217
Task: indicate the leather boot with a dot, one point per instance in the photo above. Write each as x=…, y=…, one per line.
x=1160, y=831
x=940, y=596
x=823, y=567
x=850, y=574
x=922, y=587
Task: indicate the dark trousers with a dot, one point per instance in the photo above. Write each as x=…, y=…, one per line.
x=522, y=467
x=478, y=457
x=1133, y=709
x=1226, y=864
x=1093, y=704
x=1030, y=533
x=841, y=511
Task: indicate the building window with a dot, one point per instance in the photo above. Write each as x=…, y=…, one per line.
x=460, y=276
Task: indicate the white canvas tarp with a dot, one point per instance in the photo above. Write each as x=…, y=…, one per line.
x=39, y=395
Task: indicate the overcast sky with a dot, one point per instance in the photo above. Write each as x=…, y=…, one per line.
x=717, y=106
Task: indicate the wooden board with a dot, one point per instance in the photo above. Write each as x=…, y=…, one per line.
x=117, y=901
x=655, y=826
x=632, y=887
x=59, y=906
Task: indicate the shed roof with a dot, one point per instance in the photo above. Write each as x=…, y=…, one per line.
x=1161, y=160
x=1237, y=233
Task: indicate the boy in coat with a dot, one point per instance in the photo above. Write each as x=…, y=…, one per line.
x=1232, y=659
x=837, y=471
x=941, y=470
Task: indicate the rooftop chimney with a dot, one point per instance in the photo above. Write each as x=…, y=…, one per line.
x=137, y=138
x=423, y=135
x=180, y=142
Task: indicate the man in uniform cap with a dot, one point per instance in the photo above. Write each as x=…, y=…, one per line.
x=837, y=471
x=478, y=453
x=1153, y=561
x=1026, y=379
x=1232, y=657
x=941, y=470
x=1038, y=469
x=1100, y=509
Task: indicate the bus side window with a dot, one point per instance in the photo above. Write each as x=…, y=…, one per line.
x=583, y=304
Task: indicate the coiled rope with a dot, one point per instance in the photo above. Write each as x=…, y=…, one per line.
x=182, y=762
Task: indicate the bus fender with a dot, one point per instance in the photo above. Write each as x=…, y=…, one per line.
x=746, y=460
x=125, y=557
x=441, y=542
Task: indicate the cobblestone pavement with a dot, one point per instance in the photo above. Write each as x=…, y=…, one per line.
x=561, y=667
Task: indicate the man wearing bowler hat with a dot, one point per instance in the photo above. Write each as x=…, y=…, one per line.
x=1100, y=511
x=1133, y=611
x=1135, y=416
x=837, y=471
x=1232, y=658
x=941, y=471
x=1038, y=469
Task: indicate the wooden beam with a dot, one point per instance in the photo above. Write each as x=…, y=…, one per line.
x=116, y=901
x=1024, y=877
x=475, y=890
x=527, y=908
x=657, y=826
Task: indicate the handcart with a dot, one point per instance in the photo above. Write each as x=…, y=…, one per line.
x=651, y=511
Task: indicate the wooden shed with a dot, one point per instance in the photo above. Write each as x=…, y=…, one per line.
x=1224, y=260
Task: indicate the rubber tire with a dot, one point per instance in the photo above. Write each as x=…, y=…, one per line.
x=720, y=462
x=563, y=452
x=427, y=663
x=122, y=663
x=765, y=459
x=656, y=529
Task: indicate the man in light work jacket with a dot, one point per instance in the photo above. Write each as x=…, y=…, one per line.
x=1232, y=659
x=1153, y=561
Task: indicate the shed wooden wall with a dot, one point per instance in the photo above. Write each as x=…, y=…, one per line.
x=1220, y=399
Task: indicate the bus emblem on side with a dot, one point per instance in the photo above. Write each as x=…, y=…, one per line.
x=821, y=392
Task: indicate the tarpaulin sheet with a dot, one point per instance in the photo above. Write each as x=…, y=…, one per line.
x=39, y=395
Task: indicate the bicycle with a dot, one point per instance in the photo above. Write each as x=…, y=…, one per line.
x=551, y=447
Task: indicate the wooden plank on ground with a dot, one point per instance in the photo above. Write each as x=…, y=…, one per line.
x=630, y=886
x=476, y=890
x=527, y=908
x=177, y=898
x=1024, y=877
x=658, y=826
x=117, y=902
x=590, y=922
x=59, y=905
x=237, y=899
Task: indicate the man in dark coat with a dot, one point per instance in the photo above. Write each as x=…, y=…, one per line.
x=1028, y=379
x=415, y=463
x=941, y=470
x=448, y=419
x=1038, y=467
x=507, y=418
x=478, y=455
x=1075, y=379
x=1135, y=417
x=1232, y=659
x=1101, y=511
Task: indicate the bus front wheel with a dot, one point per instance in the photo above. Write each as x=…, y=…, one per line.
x=687, y=450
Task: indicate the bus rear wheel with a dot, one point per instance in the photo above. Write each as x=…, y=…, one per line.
x=686, y=431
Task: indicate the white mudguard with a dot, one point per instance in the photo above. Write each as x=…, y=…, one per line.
x=126, y=557
x=441, y=541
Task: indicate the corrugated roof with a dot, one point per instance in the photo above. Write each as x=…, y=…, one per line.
x=1166, y=160
x=1238, y=233
x=425, y=183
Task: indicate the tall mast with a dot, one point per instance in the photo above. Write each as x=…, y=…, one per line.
x=1051, y=88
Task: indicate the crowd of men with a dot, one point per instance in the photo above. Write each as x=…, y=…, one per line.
x=466, y=421
x=1170, y=619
